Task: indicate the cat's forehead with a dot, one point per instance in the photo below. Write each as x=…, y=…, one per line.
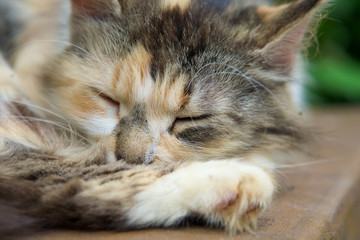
x=172, y=31
x=160, y=52
x=172, y=93
x=133, y=84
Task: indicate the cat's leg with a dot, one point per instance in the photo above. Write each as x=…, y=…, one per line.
x=225, y=193
x=88, y=194
x=228, y=193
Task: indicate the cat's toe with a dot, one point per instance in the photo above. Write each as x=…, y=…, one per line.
x=253, y=207
x=238, y=211
x=227, y=200
x=252, y=200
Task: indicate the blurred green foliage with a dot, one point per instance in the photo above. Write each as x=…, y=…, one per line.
x=335, y=64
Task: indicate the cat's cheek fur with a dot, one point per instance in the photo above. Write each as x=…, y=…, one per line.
x=228, y=193
x=8, y=80
x=99, y=126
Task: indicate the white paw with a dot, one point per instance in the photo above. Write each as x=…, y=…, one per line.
x=226, y=193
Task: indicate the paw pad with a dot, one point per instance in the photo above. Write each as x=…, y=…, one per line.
x=227, y=200
x=253, y=206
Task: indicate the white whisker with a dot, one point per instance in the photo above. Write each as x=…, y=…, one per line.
x=251, y=79
x=99, y=93
x=33, y=119
x=304, y=164
x=238, y=73
x=33, y=106
x=71, y=44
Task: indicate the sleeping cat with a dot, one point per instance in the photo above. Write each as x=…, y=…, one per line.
x=126, y=114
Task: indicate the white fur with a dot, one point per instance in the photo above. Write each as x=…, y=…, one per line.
x=96, y=125
x=296, y=87
x=110, y=156
x=199, y=187
x=263, y=161
x=146, y=88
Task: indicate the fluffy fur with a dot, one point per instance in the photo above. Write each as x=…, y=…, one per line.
x=121, y=114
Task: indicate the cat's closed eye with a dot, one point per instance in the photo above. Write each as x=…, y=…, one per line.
x=111, y=102
x=189, y=119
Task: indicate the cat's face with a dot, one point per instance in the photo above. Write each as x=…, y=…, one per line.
x=180, y=80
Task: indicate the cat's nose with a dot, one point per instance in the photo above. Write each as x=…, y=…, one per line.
x=134, y=146
x=134, y=141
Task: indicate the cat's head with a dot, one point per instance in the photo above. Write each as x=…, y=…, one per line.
x=181, y=79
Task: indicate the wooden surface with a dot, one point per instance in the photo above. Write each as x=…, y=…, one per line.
x=316, y=201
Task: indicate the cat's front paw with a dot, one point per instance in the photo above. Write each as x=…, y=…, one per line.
x=231, y=194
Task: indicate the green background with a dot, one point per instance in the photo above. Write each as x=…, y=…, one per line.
x=334, y=61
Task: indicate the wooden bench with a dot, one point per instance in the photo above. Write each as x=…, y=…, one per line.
x=316, y=201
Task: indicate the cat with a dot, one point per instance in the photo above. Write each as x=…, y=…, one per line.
x=127, y=114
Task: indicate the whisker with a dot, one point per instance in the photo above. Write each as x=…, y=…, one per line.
x=305, y=164
x=240, y=73
x=71, y=44
x=234, y=73
x=191, y=118
x=196, y=73
x=93, y=98
x=59, y=125
x=251, y=79
x=33, y=106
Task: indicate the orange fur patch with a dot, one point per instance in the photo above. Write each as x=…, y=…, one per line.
x=168, y=96
x=130, y=75
x=133, y=84
x=82, y=104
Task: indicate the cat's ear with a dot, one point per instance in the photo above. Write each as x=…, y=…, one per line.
x=95, y=8
x=282, y=30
